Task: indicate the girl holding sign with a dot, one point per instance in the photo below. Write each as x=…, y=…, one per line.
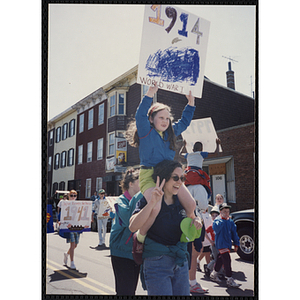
x=155, y=135
x=73, y=239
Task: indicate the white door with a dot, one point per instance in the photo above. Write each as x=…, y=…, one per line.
x=219, y=186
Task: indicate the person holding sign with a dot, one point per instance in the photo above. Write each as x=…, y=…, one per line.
x=102, y=207
x=74, y=236
x=155, y=135
x=165, y=268
x=197, y=180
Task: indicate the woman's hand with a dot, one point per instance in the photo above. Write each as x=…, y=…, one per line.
x=157, y=193
x=191, y=99
x=197, y=222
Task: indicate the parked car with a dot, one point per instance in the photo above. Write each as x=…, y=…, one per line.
x=244, y=221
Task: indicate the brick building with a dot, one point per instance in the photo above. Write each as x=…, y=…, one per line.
x=90, y=143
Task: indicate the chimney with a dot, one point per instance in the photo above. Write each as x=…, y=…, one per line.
x=230, y=77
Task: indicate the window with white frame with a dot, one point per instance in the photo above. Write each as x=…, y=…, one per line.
x=72, y=127
x=81, y=123
x=91, y=119
x=111, y=144
x=80, y=154
x=145, y=89
x=101, y=114
x=51, y=138
x=98, y=183
x=63, y=159
x=56, y=164
x=89, y=151
x=112, y=105
x=49, y=163
x=71, y=157
x=88, y=185
x=100, y=149
x=121, y=104
x=58, y=133
x=65, y=131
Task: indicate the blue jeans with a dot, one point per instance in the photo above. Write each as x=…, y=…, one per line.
x=164, y=277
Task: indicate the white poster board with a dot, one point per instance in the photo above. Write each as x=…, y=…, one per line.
x=173, y=49
x=201, y=130
x=75, y=216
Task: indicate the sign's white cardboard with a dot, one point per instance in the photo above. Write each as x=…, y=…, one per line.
x=75, y=213
x=173, y=49
x=201, y=130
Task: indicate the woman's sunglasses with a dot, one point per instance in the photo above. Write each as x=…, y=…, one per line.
x=176, y=178
x=73, y=195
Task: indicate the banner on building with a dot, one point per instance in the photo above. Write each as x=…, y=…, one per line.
x=110, y=163
x=75, y=216
x=201, y=130
x=173, y=49
x=121, y=151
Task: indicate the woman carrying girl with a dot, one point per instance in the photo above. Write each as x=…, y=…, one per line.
x=165, y=266
x=155, y=135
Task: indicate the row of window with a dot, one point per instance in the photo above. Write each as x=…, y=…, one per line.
x=64, y=159
x=90, y=151
x=91, y=118
x=62, y=133
x=115, y=107
x=119, y=104
x=61, y=160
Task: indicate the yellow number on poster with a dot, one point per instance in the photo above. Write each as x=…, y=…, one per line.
x=156, y=20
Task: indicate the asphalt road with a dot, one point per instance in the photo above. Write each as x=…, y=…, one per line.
x=94, y=274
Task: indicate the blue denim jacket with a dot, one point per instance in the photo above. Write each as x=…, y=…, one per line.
x=153, y=148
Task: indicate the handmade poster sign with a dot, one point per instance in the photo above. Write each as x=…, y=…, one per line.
x=201, y=130
x=173, y=49
x=75, y=216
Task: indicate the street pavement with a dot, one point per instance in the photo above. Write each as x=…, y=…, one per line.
x=94, y=274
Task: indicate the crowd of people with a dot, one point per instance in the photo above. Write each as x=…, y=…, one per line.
x=163, y=225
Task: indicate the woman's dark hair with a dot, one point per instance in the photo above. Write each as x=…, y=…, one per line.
x=130, y=175
x=197, y=146
x=132, y=134
x=165, y=169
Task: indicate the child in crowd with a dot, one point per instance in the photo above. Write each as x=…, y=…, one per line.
x=74, y=236
x=206, y=249
x=155, y=135
x=211, y=234
x=219, y=199
x=197, y=181
x=225, y=231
